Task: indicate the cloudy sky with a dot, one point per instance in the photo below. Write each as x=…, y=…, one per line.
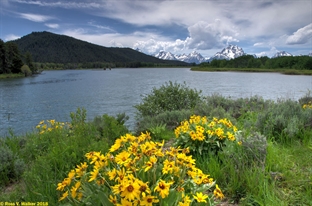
x=180, y=26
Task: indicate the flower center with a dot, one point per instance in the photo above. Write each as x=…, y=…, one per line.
x=143, y=188
x=162, y=186
x=130, y=188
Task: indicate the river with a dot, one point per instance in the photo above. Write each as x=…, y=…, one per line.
x=24, y=102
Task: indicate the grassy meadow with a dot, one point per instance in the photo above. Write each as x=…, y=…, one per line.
x=186, y=149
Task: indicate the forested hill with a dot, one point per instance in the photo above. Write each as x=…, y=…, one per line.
x=54, y=48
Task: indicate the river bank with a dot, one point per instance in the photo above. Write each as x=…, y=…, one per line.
x=282, y=71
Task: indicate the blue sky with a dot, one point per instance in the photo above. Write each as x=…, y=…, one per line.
x=178, y=26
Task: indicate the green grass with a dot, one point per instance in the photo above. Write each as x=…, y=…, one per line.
x=272, y=167
x=6, y=76
x=283, y=71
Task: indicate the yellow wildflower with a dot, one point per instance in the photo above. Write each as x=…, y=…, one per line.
x=200, y=197
x=148, y=200
x=116, y=146
x=123, y=157
x=113, y=199
x=131, y=190
x=125, y=202
x=81, y=169
x=186, y=201
x=163, y=188
x=65, y=194
x=74, y=189
x=168, y=167
x=94, y=174
x=218, y=193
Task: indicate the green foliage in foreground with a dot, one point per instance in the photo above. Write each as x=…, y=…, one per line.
x=169, y=97
x=271, y=167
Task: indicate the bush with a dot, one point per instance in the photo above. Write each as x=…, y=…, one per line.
x=110, y=127
x=26, y=70
x=171, y=119
x=220, y=107
x=169, y=97
x=11, y=167
x=284, y=120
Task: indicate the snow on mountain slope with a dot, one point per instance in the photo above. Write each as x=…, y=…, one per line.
x=230, y=52
x=281, y=54
x=165, y=55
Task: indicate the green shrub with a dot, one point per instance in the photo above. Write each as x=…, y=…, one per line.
x=306, y=99
x=26, y=70
x=169, y=97
x=171, y=119
x=220, y=107
x=284, y=120
x=11, y=167
x=110, y=127
x=253, y=151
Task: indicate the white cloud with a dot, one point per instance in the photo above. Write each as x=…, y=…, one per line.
x=35, y=17
x=268, y=53
x=62, y=4
x=52, y=26
x=11, y=37
x=205, y=35
x=202, y=36
x=301, y=36
x=258, y=44
x=152, y=46
x=107, y=28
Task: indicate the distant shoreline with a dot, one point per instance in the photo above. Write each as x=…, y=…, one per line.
x=282, y=71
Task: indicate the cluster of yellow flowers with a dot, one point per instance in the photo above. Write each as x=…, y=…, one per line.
x=307, y=106
x=49, y=126
x=139, y=171
x=201, y=134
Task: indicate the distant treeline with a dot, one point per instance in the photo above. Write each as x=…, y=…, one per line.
x=100, y=65
x=250, y=61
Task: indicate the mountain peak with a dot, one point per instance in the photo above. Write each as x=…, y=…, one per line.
x=193, y=57
x=165, y=55
x=229, y=52
x=281, y=54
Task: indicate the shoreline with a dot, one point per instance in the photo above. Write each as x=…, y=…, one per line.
x=282, y=71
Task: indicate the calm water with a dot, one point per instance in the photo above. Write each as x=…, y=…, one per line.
x=54, y=94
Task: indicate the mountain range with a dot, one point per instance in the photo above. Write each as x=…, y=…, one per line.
x=193, y=57
x=229, y=52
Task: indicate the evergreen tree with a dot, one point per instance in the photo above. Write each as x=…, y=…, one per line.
x=2, y=58
x=13, y=57
x=29, y=62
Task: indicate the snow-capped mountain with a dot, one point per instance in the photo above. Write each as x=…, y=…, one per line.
x=165, y=55
x=193, y=57
x=310, y=54
x=281, y=54
x=230, y=52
